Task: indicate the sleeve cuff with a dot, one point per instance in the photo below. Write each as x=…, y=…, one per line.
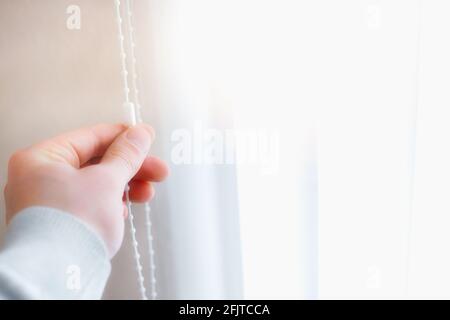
x=54, y=255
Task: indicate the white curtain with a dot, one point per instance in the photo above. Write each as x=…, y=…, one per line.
x=242, y=224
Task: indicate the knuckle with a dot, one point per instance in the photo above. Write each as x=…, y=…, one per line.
x=17, y=158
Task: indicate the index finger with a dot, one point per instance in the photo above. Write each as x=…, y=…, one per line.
x=79, y=146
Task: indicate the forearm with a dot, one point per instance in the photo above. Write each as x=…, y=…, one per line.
x=50, y=254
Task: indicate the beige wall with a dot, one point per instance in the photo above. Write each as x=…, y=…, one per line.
x=53, y=79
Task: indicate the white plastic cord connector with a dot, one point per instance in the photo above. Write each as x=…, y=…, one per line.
x=130, y=113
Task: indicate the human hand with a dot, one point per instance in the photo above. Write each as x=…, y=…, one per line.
x=84, y=173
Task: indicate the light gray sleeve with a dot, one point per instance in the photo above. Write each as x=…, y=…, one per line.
x=50, y=254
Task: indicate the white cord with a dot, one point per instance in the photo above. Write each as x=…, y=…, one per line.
x=135, y=245
x=151, y=252
x=133, y=59
x=132, y=117
x=148, y=223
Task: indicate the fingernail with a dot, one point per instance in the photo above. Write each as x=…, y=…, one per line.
x=140, y=136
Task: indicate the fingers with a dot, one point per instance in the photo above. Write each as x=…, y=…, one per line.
x=140, y=191
x=152, y=169
x=126, y=154
x=78, y=147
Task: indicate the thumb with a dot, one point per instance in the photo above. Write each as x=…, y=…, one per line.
x=128, y=151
